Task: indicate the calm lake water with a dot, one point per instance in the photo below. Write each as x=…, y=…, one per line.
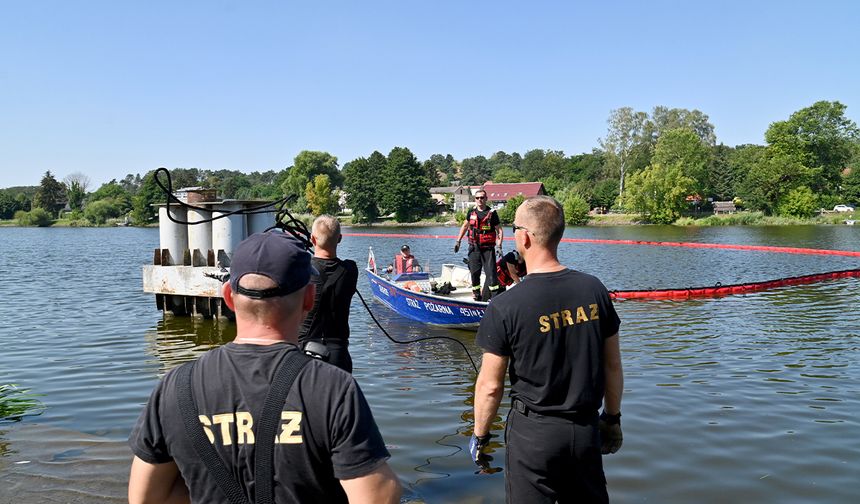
x=739, y=399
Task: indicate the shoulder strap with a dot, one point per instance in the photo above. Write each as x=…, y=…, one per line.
x=205, y=449
x=264, y=433
x=270, y=419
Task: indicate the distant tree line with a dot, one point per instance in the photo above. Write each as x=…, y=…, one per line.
x=660, y=165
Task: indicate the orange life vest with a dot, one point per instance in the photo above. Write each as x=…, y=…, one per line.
x=404, y=264
x=481, y=232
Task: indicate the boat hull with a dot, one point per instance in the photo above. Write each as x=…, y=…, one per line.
x=426, y=308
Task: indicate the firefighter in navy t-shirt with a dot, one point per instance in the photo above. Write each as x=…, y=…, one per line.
x=485, y=235
x=557, y=336
x=328, y=447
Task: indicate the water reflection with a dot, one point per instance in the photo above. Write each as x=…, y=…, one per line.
x=175, y=340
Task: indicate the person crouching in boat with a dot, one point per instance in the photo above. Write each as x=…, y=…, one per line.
x=510, y=269
x=404, y=262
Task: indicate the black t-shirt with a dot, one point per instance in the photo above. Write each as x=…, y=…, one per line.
x=553, y=328
x=327, y=431
x=329, y=317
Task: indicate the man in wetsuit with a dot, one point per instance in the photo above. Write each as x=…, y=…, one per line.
x=328, y=321
x=557, y=336
x=485, y=235
x=327, y=448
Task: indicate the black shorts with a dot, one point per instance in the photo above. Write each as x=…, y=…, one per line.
x=550, y=459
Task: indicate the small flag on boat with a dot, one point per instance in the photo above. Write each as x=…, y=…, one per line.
x=371, y=261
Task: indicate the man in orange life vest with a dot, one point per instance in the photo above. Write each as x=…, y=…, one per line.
x=404, y=262
x=485, y=234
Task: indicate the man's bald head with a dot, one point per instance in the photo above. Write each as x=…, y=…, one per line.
x=544, y=218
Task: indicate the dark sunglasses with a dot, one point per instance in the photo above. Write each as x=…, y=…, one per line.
x=514, y=227
x=480, y=197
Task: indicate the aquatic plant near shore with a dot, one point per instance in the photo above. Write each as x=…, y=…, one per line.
x=15, y=403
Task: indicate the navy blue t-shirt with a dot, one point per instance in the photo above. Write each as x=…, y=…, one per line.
x=327, y=432
x=553, y=327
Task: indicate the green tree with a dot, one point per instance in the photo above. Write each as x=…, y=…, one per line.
x=682, y=147
x=149, y=194
x=605, y=194
x=576, y=209
x=799, y=202
x=8, y=205
x=722, y=178
x=506, y=174
x=407, y=191
x=36, y=217
x=665, y=119
x=76, y=189
x=658, y=193
x=851, y=186
x=98, y=212
x=506, y=213
x=627, y=130
x=771, y=178
x=113, y=191
x=319, y=195
x=362, y=189
x=306, y=166
x=475, y=171
x=50, y=195
x=819, y=136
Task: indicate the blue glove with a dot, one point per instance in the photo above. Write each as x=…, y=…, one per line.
x=476, y=445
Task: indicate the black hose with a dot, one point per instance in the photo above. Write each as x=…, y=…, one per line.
x=426, y=338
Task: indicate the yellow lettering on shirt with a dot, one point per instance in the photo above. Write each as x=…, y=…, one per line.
x=565, y=318
x=565, y=315
x=244, y=426
x=544, y=323
x=206, y=423
x=290, y=429
x=224, y=419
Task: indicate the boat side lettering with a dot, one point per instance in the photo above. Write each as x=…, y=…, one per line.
x=382, y=289
x=433, y=307
x=471, y=312
x=413, y=303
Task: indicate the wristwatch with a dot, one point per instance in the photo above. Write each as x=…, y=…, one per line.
x=611, y=419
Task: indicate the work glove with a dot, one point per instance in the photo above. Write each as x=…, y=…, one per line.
x=476, y=446
x=456, y=247
x=610, y=433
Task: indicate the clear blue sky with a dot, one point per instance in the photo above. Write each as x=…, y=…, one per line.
x=108, y=88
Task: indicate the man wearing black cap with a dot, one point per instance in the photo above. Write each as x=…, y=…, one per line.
x=327, y=446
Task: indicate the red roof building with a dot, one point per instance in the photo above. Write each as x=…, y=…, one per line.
x=501, y=193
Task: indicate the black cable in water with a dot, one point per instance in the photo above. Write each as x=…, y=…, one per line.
x=417, y=339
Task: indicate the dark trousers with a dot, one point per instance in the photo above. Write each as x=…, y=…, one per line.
x=550, y=459
x=338, y=353
x=483, y=259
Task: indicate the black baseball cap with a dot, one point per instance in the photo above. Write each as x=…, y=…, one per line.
x=404, y=247
x=276, y=255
